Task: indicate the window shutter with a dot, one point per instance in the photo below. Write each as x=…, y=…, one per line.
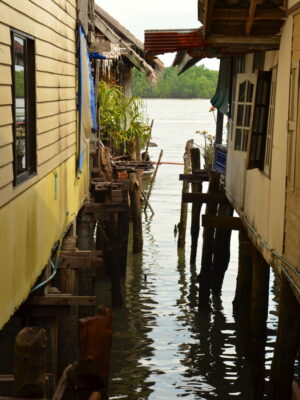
x=270, y=130
x=243, y=110
x=260, y=120
x=293, y=104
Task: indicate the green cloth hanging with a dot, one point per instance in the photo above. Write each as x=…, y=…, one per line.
x=220, y=100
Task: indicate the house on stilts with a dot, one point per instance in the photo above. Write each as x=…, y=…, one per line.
x=257, y=43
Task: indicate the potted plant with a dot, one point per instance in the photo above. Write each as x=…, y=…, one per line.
x=207, y=149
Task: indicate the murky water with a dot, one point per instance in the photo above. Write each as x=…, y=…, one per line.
x=162, y=347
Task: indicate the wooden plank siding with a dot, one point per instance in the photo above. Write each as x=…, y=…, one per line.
x=52, y=24
x=292, y=209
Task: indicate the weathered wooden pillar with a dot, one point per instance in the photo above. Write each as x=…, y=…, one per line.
x=136, y=210
x=287, y=343
x=85, y=223
x=185, y=189
x=221, y=255
x=123, y=232
x=208, y=243
x=242, y=300
x=219, y=127
x=30, y=363
x=95, y=338
x=259, y=316
x=196, y=207
x=113, y=260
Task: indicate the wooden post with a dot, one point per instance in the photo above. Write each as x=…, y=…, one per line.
x=136, y=210
x=221, y=256
x=208, y=240
x=95, y=338
x=30, y=362
x=113, y=260
x=123, y=232
x=287, y=343
x=242, y=300
x=219, y=127
x=196, y=207
x=185, y=189
x=153, y=178
x=259, y=315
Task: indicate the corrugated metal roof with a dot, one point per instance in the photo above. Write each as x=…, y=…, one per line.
x=169, y=41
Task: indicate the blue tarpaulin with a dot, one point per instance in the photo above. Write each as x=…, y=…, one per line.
x=86, y=99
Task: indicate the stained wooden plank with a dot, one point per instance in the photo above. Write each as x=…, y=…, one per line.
x=241, y=14
x=48, y=138
x=55, y=107
x=5, y=115
x=51, y=51
x=16, y=18
x=61, y=300
x=56, y=11
x=51, y=151
x=194, y=177
x=45, y=64
x=204, y=198
x=52, y=163
x=221, y=222
x=37, y=14
x=6, y=175
x=6, y=155
x=5, y=75
x=48, y=123
x=6, y=136
x=244, y=39
x=5, y=54
x=6, y=97
x=54, y=94
x=250, y=20
x=98, y=208
x=4, y=34
x=44, y=79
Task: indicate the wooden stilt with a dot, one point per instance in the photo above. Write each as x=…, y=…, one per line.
x=242, y=300
x=221, y=255
x=196, y=207
x=207, y=252
x=259, y=315
x=113, y=261
x=288, y=339
x=153, y=178
x=185, y=189
x=95, y=338
x=123, y=231
x=30, y=363
x=136, y=208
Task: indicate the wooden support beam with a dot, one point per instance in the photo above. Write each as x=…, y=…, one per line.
x=221, y=222
x=99, y=208
x=287, y=343
x=193, y=178
x=259, y=315
x=243, y=39
x=198, y=197
x=30, y=362
x=252, y=9
x=242, y=14
x=196, y=207
x=61, y=300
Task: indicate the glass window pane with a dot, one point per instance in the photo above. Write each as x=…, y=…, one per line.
x=242, y=91
x=238, y=139
x=20, y=104
x=249, y=92
x=240, y=116
x=247, y=115
x=245, y=140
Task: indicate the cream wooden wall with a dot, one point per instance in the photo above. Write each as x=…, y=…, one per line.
x=52, y=23
x=258, y=198
x=292, y=215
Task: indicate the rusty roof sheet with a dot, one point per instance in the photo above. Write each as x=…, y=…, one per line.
x=169, y=41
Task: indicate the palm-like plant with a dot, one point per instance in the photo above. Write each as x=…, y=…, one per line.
x=123, y=120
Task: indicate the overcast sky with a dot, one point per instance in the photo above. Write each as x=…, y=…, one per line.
x=140, y=15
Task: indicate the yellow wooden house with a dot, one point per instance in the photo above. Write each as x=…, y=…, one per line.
x=41, y=188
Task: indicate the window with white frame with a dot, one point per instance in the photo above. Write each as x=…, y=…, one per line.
x=244, y=100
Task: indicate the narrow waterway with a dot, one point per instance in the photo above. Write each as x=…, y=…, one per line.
x=162, y=347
